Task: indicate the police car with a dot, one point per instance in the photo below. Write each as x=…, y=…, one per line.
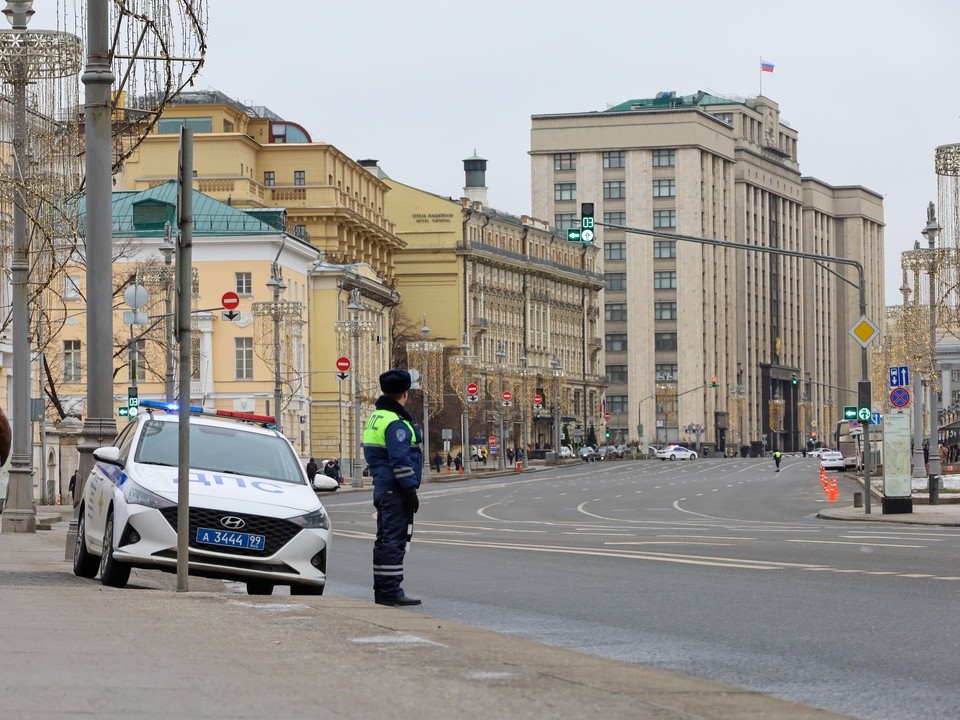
x=253, y=516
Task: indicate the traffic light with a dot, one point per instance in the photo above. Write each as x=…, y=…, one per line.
x=849, y=412
x=587, y=231
x=713, y=382
x=793, y=379
x=607, y=434
x=133, y=402
x=123, y=411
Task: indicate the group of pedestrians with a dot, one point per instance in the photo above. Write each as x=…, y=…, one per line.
x=453, y=463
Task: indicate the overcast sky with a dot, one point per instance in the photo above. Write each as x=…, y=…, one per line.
x=871, y=87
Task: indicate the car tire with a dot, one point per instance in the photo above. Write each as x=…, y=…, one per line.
x=673, y=457
x=85, y=564
x=112, y=573
x=306, y=589
x=259, y=587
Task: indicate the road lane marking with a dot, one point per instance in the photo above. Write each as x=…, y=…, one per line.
x=861, y=544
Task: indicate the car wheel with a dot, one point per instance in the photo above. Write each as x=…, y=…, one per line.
x=85, y=564
x=306, y=589
x=673, y=457
x=112, y=573
x=259, y=587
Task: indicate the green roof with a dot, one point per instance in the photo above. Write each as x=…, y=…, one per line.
x=144, y=213
x=669, y=99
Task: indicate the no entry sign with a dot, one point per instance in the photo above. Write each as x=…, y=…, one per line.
x=230, y=300
x=507, y=396
x=343, y=364
x=472, y=389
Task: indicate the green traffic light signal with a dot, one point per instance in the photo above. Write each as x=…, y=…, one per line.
x=607, y=433
x=587, y=232
x=849, y=412
x=123, y=411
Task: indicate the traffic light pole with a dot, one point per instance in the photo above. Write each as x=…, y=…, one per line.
x=819, y=259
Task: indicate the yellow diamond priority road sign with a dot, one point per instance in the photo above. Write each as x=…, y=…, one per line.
x=864, y=331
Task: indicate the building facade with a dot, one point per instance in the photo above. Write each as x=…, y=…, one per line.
x=703, y=342
x=514, y=303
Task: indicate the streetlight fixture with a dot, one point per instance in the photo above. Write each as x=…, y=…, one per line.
x=167, y=248
x=276, y=284
x=428, y=460
x=355, y=307
x=427, y=356
x=931, y=232
x=524, y=379
x=501, y=356
x=465, y=453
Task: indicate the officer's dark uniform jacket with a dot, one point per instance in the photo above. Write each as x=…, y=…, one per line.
x=391, y=447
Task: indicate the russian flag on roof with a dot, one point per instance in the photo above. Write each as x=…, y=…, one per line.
x=766, y=66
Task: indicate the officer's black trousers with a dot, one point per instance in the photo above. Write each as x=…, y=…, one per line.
x=393, y=525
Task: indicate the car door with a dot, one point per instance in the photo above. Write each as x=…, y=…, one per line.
x=102, y=483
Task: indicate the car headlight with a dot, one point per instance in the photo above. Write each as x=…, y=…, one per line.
x=135, y=494
x=316, y=520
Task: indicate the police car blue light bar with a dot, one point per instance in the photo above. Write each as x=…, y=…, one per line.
x=197, y=410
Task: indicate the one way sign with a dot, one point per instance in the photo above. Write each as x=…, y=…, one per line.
x=230, y=314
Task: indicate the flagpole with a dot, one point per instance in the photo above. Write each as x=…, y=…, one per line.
x=761, y=74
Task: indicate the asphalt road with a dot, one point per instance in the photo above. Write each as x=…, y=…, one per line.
x=715, y=567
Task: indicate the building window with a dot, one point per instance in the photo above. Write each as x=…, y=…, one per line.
x=244, y=283
x=566, y=221
x=616, y=342
x=299, y=177
x=614, y=159
x=664, y=158
x=138, y=359
x=269, y=178
x=565, y=161
x=71, y=288
x=664, y=218
x=71, y=361
x=664, y=311
x=666, y=372
x=726, y=117
x=615, y=281
x=171, y=126
x=616, y=373
x=615, y=312
x=614, y=189
x=665, y=341
x=616, y=404
x=665, y=280
x=615, y=251
x=300, y=231
x=664, y=249
x=664, y=188
x=244, y=357
x=615, y=218
x=564, y=191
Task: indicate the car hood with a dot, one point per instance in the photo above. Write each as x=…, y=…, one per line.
x=241, y=493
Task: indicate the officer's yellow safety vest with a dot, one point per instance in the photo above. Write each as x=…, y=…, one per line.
x=375, y=431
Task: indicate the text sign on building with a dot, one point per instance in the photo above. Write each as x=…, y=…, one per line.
x=899, y=376
x=896, y=456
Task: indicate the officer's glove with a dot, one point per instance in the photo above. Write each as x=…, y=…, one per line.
x=411, y=500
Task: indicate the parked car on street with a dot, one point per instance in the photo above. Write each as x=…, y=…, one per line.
x=818, y=452
x=676, y=452
x=565, y=452
x=254, y=517
x=588, y=454
x=832, y=460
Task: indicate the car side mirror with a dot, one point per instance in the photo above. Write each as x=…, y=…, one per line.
x=325, y=483
x=109, y=455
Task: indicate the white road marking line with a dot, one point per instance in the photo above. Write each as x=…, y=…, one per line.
x=393, y=640
x=861, y=544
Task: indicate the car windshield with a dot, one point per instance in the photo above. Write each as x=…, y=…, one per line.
x=227, y=450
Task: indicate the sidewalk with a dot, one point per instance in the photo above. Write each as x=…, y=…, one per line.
x=946, y=513
x=71, y=647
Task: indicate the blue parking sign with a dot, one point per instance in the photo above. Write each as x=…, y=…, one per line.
x=899, y=376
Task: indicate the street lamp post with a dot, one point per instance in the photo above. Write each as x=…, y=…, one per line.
x=523, y=414
x=356, y=307
x=276, y=284
x=428, y=460
x=557, y=374
x=931, y=232
x=167, y=250
x=465, y=422
x=501, y=356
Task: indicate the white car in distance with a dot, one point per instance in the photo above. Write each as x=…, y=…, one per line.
x=254, y=518
x=832, y=460
x=676, y=452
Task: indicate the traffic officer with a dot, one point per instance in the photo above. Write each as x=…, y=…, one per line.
x=391, y=447
x=777, y=456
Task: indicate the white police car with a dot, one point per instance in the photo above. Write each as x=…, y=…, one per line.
x=253, y=515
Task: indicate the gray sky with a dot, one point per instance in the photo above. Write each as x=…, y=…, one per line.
x=419, y=84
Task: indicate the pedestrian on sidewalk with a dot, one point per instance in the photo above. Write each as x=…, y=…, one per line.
x=449, y=463
x=777, y=456
x=438, y=462
x=392, y=449
x=458, y=461
x=312, y=470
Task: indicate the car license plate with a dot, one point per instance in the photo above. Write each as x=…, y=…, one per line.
x=230, y=538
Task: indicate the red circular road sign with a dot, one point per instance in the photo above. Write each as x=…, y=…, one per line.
x=900, y=397
x=507, y=396
x=492, y=440
x=472, y=389
x=606, y=415
x=538, y=399
x=230, y=300
x=343, y=364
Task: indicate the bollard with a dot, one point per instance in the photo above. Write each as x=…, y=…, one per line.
x=858, y=499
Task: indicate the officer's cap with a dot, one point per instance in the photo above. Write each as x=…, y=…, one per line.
x=395, y=381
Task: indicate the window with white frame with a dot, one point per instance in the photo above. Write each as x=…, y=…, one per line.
x=71, y=288
x=269, y=178
x=244, y=283
x=244, y=358
x=299, y=177
x=72, y=361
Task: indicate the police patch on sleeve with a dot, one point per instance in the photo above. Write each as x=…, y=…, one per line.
x=401, y=434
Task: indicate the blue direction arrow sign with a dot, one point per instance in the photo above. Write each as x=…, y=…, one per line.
x=899, y=376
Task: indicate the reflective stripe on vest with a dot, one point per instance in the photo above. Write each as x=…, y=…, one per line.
x=375, y=432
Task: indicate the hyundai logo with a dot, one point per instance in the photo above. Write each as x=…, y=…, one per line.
x=232, y=522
